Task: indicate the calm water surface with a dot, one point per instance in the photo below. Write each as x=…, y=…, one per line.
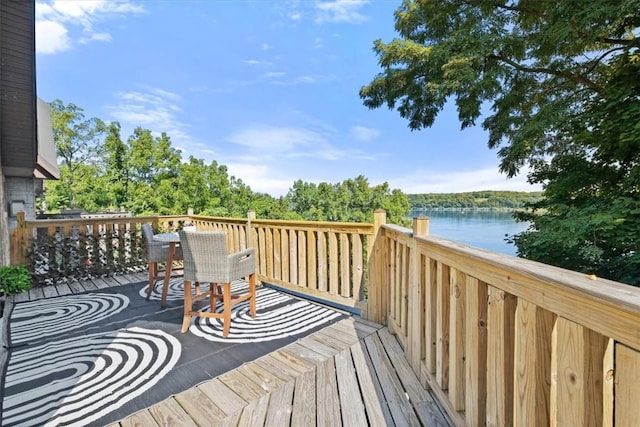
x=480, y=228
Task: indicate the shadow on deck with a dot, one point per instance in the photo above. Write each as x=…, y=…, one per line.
x=350, y=373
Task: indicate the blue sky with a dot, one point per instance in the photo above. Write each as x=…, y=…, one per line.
x=268, y=88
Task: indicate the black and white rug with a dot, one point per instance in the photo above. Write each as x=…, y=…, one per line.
x=94, y=358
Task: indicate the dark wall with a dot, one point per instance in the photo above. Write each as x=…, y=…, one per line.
x=17, y=88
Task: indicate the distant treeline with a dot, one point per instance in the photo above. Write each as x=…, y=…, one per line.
x=474, y=199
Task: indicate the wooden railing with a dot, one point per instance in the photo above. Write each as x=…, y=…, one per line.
x=504, y=341
x=59, y=248
x=325, y=260
x=501, y=340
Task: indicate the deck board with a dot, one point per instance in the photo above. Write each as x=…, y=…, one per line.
x=348, y=391
x=198, y=405
x=350, y=373
x=141, y=419
x=255, y=413
x=304, y=400
x=280, y=406
x=222, y=396
x=377, y=410
x=50, y=291
x=327, y=394
x=170, y=413
x=63, y=289
x=399, y=405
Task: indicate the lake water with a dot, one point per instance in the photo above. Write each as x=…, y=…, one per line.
x=480, y=228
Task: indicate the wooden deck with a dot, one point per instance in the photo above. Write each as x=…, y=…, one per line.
x=352, y=373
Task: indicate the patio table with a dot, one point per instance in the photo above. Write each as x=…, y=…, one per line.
x=172, y=239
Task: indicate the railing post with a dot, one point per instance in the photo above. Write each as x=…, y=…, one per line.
x=251, y=240
x=19, y=244
x=416, y=301
x=251, y=215
x=377, y=262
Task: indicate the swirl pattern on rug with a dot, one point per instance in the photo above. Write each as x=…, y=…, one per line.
x=75, y=381
x=277, y=317
x=35, y=320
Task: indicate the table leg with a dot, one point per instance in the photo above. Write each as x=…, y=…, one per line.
x=167, y=273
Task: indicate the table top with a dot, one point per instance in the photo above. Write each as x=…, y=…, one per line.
x=167, y=237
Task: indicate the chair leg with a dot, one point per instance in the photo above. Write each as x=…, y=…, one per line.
x=226, y=303
x=212, y=297
x=252, y=292
x=187, y=306
x=153, y=267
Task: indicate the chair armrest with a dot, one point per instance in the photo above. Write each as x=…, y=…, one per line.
x=241, y=264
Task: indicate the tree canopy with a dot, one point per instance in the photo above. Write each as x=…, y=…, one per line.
x=557, y=85
x=146, y=175
x=474, y=200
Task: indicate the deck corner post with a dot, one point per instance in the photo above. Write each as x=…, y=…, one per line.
x=416, y=298
x=18, y=255
x=377, y=268
x=251, y=239
x=421, y=226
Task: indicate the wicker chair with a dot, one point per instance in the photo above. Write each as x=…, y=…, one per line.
x=156, y=253
x=206, y=261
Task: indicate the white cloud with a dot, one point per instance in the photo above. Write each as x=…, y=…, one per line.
x=278, y=139
x=260, y=178
x=280, y=144
x=340, y=11
x=362, y=133
x=274, y=74
x=456, y=182
x=95, y=37
x=57, y=19
x=154, y=109
x=51, y=37
x=300, y=80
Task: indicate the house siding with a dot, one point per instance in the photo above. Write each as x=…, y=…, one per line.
x=18, y=123
x=18, y=144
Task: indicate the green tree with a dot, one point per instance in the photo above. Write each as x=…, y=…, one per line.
x=153, y=172
x=352, y=200
x=561, y=79
x=115, y=170
x=77, y=144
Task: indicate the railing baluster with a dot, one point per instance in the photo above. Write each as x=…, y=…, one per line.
x=457, y=339
x=627, y=385
x=334, y=276
x=293, y=256
x=302, y=258
x=577, y=366
x=500, y=347
x=442, y=325
x=312, y=259
x=476, y=352
x=278, y=268
x=322, y=262
x=345, y=277
x=532, y=364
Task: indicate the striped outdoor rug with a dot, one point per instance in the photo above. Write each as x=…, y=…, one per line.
x=96, y=357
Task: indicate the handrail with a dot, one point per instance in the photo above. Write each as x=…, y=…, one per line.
x=507, y=341
x=325, y=260
x=60, y=248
